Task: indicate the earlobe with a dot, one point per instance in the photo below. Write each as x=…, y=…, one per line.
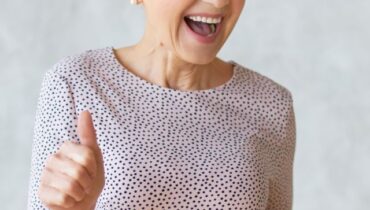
x=135, y=2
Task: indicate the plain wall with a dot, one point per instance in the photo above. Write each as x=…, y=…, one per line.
x=318, y=49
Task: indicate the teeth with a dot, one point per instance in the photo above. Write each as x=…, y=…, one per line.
x=205, y=19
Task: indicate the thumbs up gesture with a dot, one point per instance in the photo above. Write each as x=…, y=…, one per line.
x=73, y=177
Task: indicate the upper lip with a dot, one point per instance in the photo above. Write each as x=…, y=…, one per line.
x=205, y=15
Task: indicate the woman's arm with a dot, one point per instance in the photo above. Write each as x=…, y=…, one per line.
x=281, y=184
x=54, y=124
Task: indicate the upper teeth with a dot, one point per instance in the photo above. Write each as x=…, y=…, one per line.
x=205, y=19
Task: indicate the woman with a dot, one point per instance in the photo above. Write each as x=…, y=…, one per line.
x=163, y=124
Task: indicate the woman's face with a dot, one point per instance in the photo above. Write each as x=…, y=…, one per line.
x=166, y=24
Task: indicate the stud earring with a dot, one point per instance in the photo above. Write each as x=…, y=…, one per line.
x=134, y=2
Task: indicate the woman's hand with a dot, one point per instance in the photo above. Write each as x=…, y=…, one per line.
x=73, y=177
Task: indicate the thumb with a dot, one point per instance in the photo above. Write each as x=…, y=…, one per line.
x=86, y=130
x=87, y=135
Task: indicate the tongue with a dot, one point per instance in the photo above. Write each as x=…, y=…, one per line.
x=200, y=28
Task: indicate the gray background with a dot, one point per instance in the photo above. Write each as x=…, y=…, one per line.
x=318, y=49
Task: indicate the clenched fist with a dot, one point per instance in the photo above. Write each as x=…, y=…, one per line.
x=73, y=177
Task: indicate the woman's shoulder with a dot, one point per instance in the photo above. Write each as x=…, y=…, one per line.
x=83, y=62
x=262, y=84
x=270, y=99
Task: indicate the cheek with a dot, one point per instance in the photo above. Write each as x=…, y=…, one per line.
x=238, y=7
x=159, y=27
x=236, y=11
x=165, y=17
x=165, y=32
x=168, y=30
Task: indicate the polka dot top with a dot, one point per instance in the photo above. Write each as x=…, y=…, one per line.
x=229, y=147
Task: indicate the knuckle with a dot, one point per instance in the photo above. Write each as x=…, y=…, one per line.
x=87, y=158
x=49, y=161
x=57, y=156
x=80, y=196
x=66, y=146
x=64, y=200
x=71, y=186
x=74, y=189
x=52, y=159
x=44, y=176
x=60, y=200
x=78, y=172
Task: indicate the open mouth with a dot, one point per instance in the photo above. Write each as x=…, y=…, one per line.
x=202, y=27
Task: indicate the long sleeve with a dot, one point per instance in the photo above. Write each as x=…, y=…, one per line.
x=281, y=185
x=229, y=147
x=54, y=123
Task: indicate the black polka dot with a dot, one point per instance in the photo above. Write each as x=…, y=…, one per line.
x=230, y=147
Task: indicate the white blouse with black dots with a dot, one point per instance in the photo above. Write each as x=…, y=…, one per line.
x=230, y=147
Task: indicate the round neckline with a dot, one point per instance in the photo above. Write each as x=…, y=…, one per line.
x=144, y=82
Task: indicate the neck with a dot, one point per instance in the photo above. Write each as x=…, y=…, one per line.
x=151, y=61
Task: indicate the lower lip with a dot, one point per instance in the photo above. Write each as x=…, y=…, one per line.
x=204, y=39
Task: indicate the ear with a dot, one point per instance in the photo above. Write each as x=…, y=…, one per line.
x=135, y=2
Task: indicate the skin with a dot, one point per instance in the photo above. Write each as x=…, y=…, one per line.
x=168, y=56
x=73, y=177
